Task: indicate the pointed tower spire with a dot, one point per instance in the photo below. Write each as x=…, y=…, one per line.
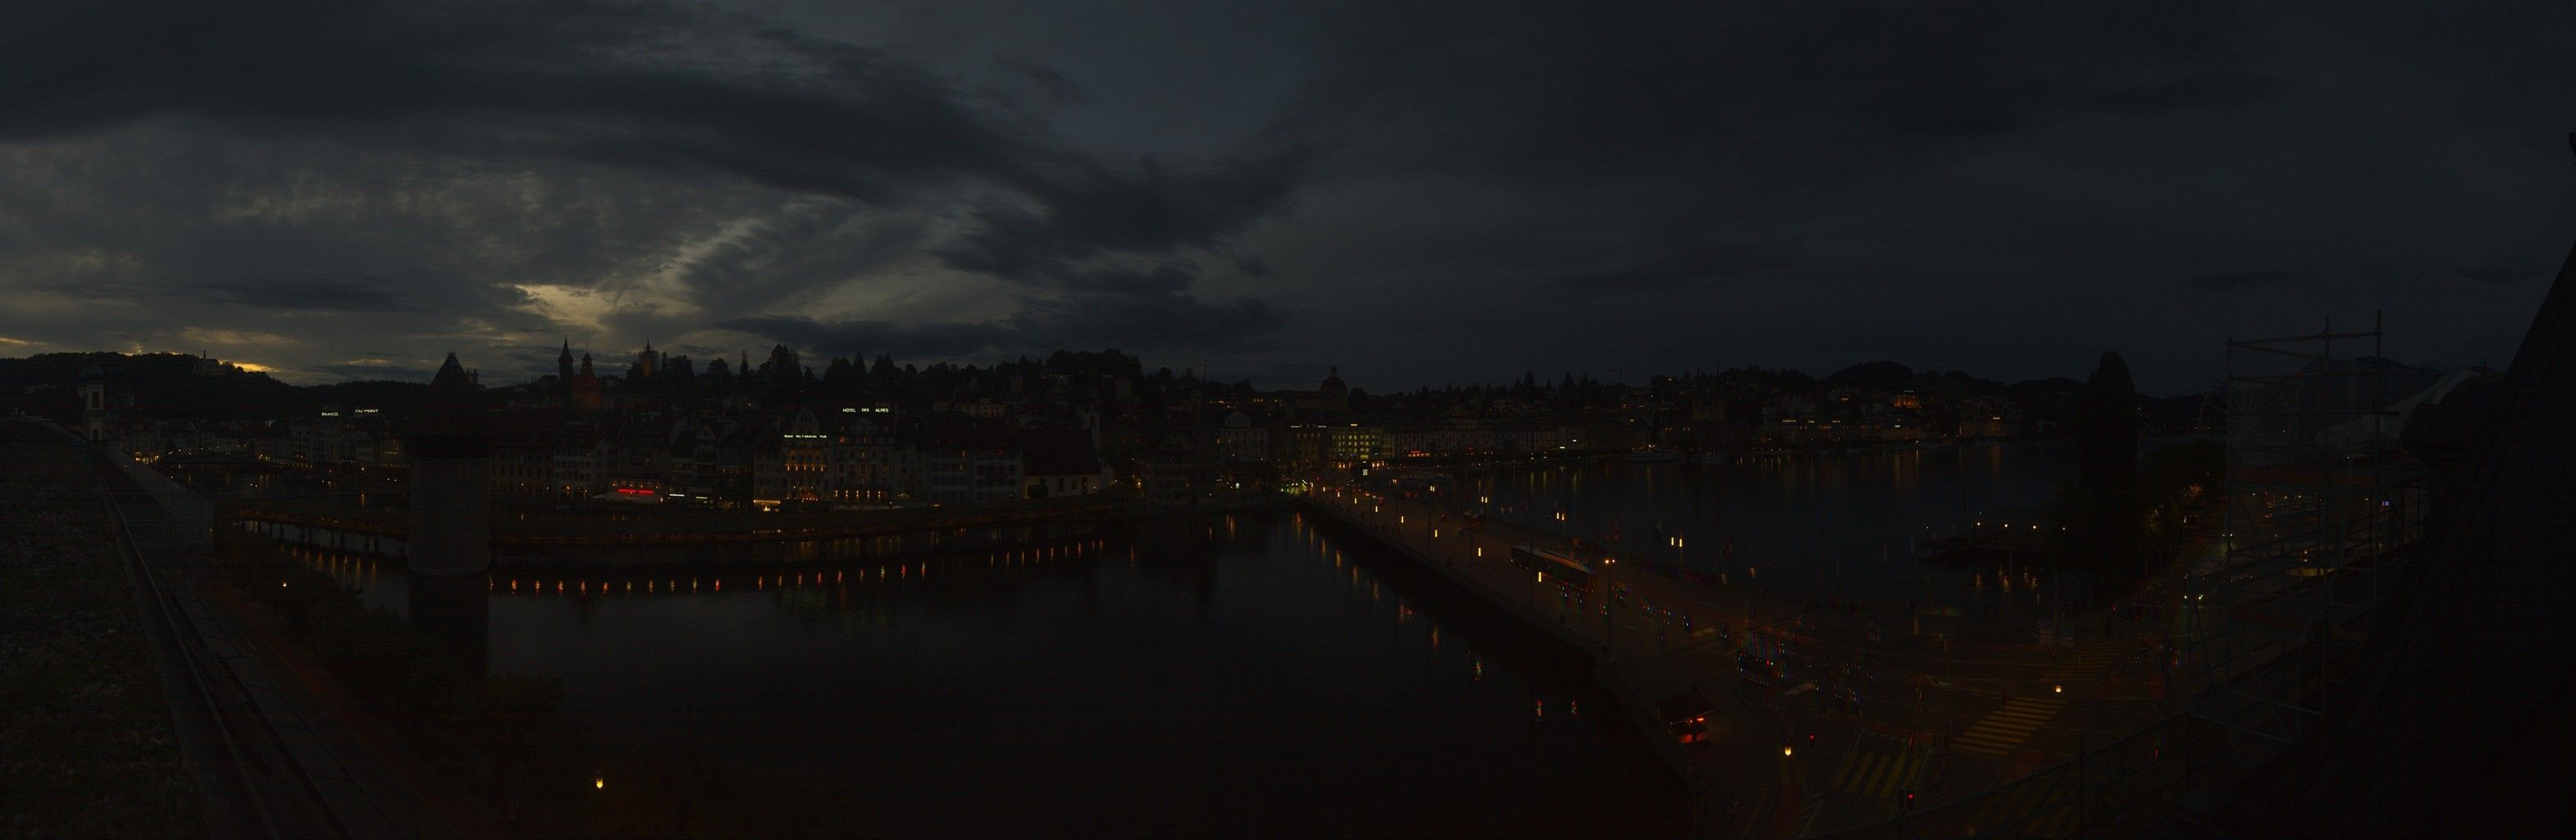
x=449, y=449
x=450, y=379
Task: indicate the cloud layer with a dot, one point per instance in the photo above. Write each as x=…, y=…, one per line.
x=436, y=175
x=1417, y=192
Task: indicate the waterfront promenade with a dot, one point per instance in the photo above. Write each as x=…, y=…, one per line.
x=1864, y=714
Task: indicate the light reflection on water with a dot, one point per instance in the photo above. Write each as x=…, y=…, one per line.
x=1240, y=675
x=1815, y=524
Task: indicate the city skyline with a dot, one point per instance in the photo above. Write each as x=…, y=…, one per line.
x=621, y=366
x=1029, y=418
x=1430, y=193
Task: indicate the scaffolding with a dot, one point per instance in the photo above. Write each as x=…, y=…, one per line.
x=2320, y=504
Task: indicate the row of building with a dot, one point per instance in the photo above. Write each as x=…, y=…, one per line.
x=776, y=435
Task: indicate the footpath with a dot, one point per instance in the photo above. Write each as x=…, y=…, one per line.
x=302, y=760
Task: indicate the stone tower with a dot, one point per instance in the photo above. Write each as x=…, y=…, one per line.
x=449, y=445
x=563, y=365
x=93, y=390
x=585, y=387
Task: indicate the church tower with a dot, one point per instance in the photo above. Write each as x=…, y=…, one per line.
x=563, y=364
x=585, y=387
x=93, y=390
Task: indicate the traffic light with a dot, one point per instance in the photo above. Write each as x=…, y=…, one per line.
x=1909, y=799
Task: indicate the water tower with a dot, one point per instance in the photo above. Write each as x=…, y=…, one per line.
x=449, y=445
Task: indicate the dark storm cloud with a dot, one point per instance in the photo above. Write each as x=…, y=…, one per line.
x=1557, y=90
x=800, y=250
x=1143, y=321
x=638, y=85
x=398, y=373
x=1057, y=89
x=1137, y=321
x=683, y=92
x=868, y=338
x=349, y=293
x=1445, y=191
x=1928, y=162
x=1687, y=271
x=2224, y=280
x=2505, y=272
x=2216, y=90
x=1095, y=211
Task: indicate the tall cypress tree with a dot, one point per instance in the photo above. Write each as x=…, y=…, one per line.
x=2106, y=458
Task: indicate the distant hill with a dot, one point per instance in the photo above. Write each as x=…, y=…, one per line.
x=385, y=394
x=184, y=384
x=1880, y=374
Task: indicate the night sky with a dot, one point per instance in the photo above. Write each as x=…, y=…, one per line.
x=1417, y=193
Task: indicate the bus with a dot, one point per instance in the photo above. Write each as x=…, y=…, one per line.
x=1573, y=573
x=1759, y=661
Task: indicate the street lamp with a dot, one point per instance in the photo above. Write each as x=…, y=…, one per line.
x=1609, y=629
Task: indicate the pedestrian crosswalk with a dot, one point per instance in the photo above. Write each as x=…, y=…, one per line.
x=1880, y=768
x=2007, y=727
x=2093, y=659
x=2042, y=806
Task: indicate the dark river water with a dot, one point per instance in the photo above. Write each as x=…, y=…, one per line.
x=1244, y=675
x=1808, y=524
x=1229, y=676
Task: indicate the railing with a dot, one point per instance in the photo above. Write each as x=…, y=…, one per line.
x=1605, y=671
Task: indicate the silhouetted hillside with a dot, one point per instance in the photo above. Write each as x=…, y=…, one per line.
x=180, y=384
